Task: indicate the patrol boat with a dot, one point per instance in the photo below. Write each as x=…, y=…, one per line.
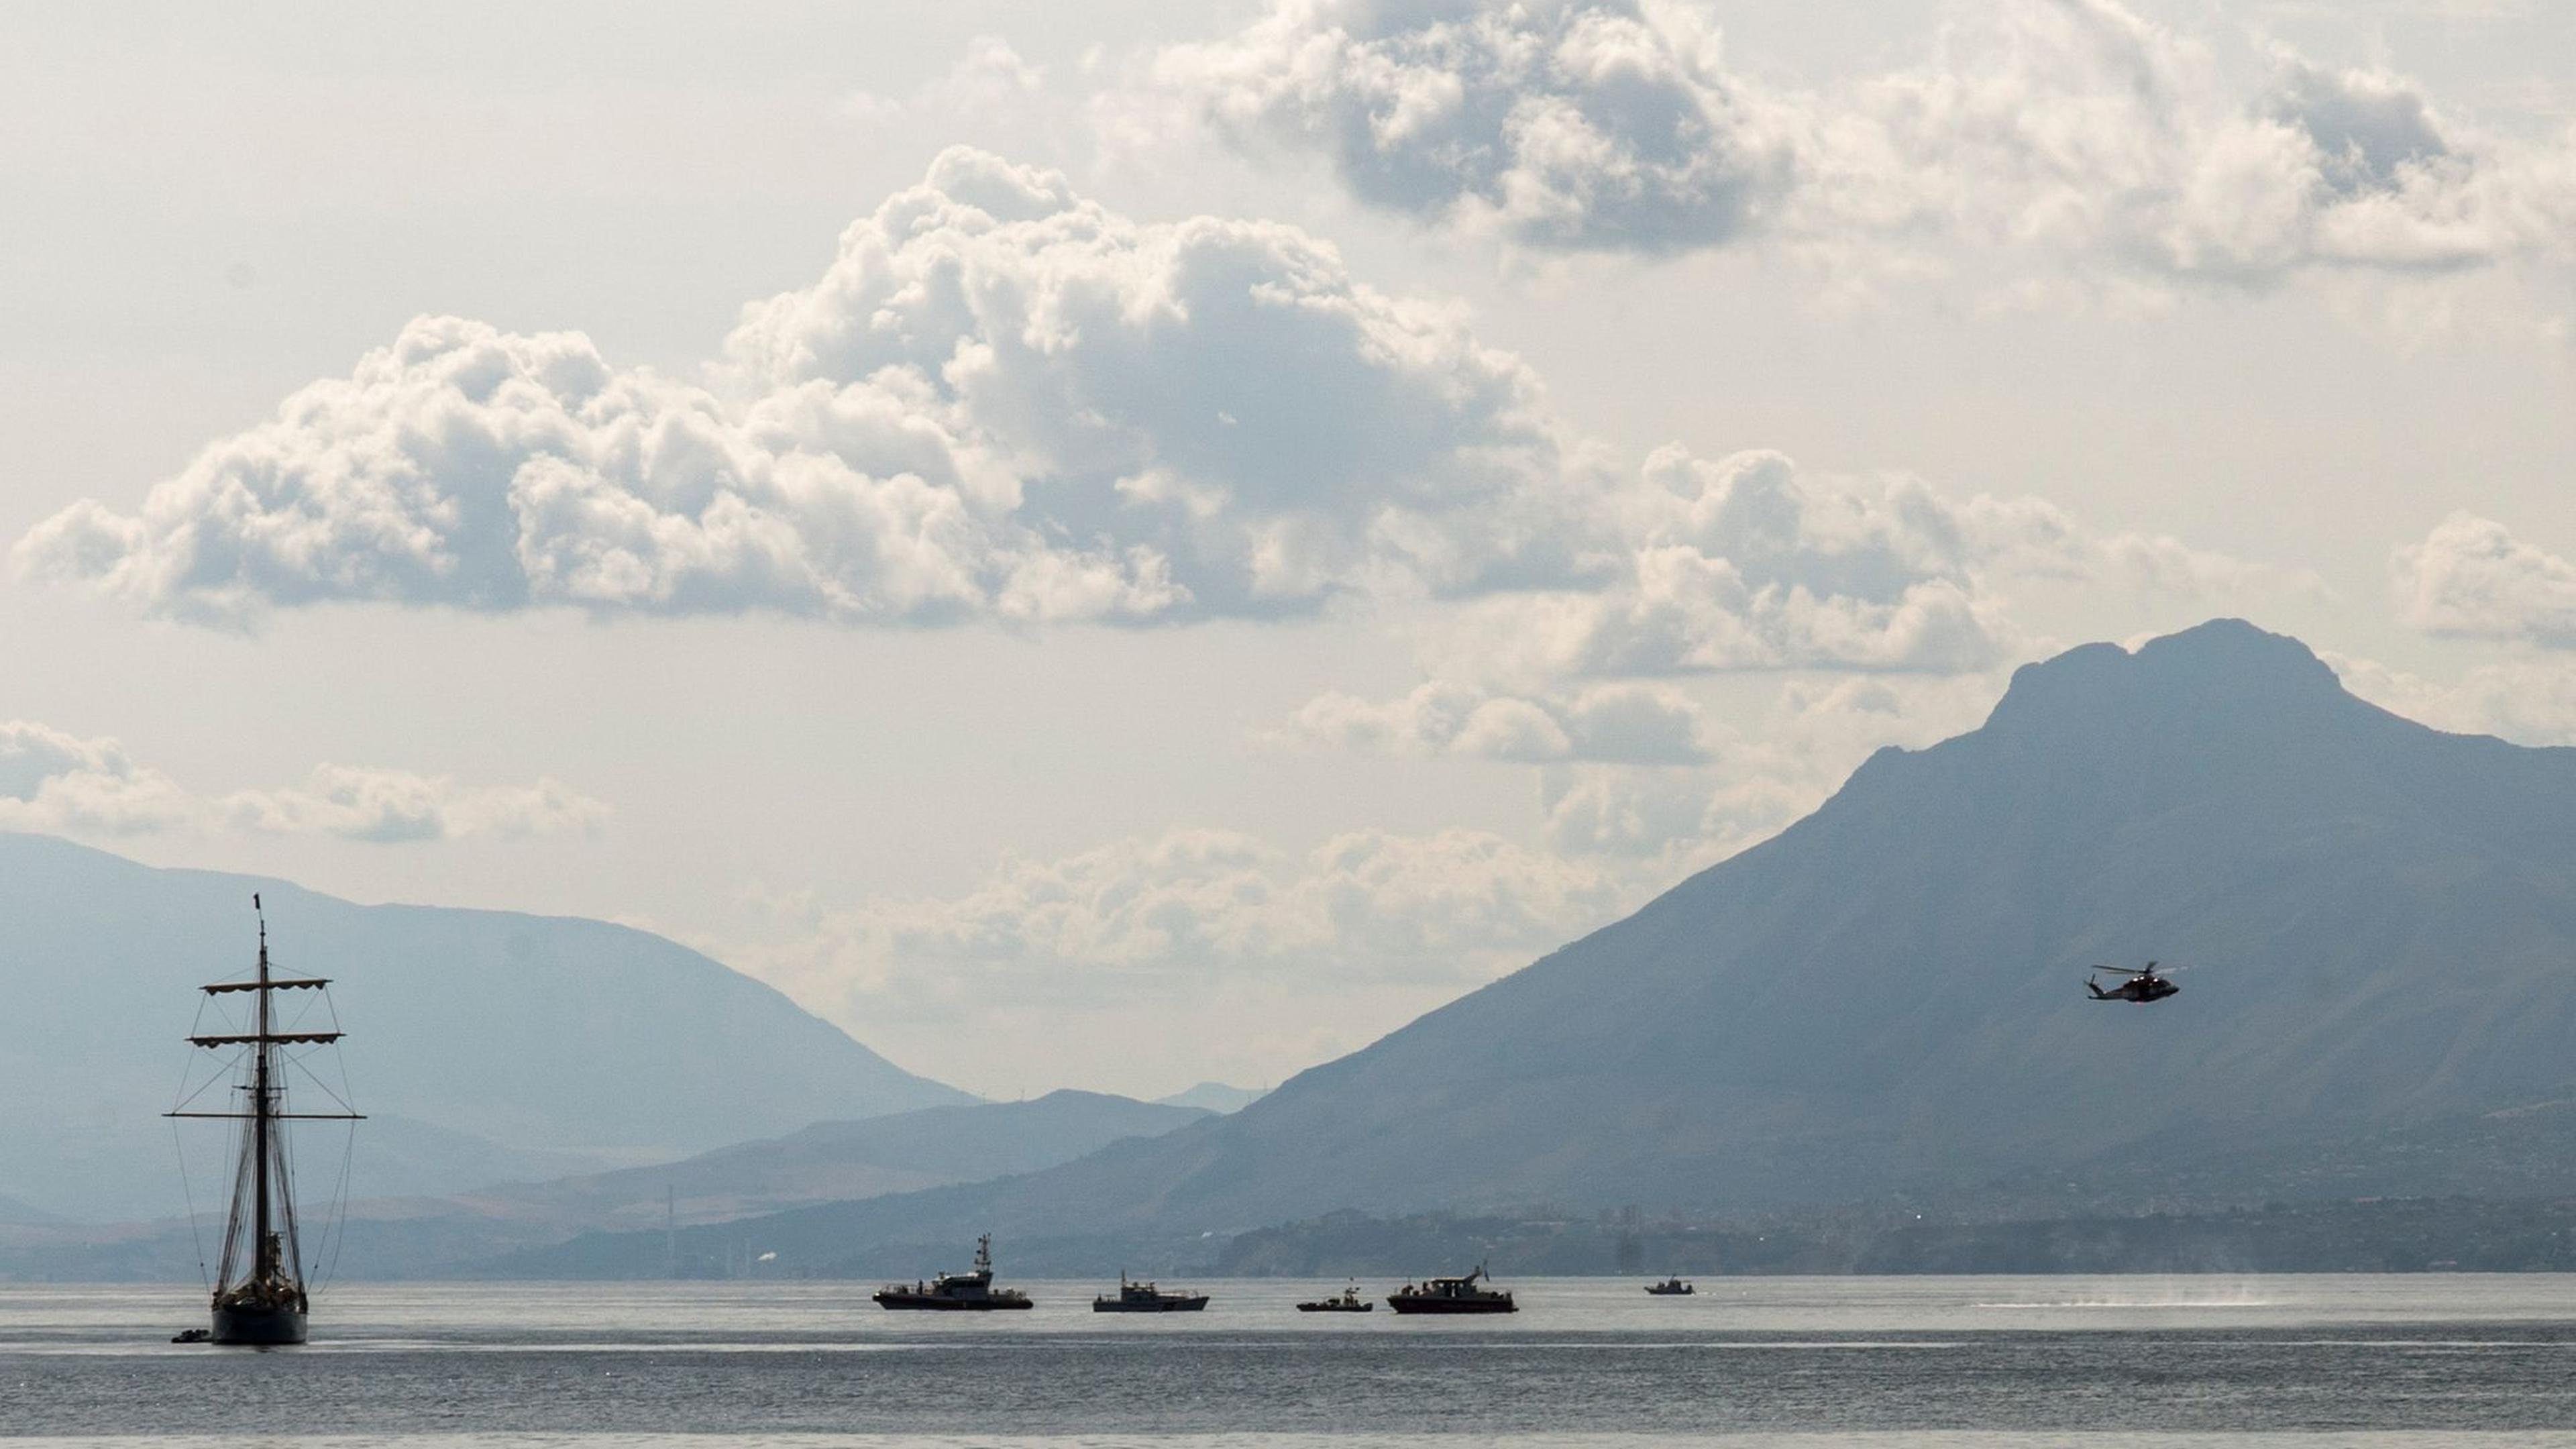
x=1672, y=1287
x=1346, y=1301
x=259, y=1294
x=1451, y=1295
x=969, y=1292
x=1134, y=1297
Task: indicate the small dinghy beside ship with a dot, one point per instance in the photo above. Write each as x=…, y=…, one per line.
x=1134, y=1297
x=970, y=1292
x=1451, y=1295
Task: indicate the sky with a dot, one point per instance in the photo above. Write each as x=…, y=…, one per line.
x=1117, y=544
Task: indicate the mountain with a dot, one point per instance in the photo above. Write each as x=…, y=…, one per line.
x=1215, y=1097
x=414, y=1236
x=484, y=1044
x=1884, y=1000
x=838, y=1160
x=14, y=1213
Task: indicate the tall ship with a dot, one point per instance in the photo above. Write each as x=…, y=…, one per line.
x=1451, y=1295
x=1136, y=1297
x=970, y=1291
x=259, y=1285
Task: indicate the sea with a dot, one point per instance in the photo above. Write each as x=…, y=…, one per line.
x=2201, y=1361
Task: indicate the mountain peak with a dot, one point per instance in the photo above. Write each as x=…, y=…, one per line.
x=2233, y=645
x=2225, y=665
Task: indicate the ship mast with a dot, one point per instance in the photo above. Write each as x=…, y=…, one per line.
x=274, y=1266
x=263, y=1261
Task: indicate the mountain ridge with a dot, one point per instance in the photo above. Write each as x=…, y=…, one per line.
x=511, y=1040
x=434, y=1235
x=1883, y=1000
x=899, y=1151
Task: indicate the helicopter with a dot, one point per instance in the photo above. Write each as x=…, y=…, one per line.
x=2141, y=987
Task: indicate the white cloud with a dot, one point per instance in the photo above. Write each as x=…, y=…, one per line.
x=1627, y=813
x=2057, y=132
x=54, y=781
x=395, y=805
x=1560, y=123
x=1741, y=563
x=2077, y=128
x=1638, y=775
x=1000, y=401
x=1143, y=960
x=1183, y=937
x=989, y=76
x=2530, y=702
x=50, y=780
x=1757, y=780
x=1631, y=723
x=1147, y=918
x=2472, y=577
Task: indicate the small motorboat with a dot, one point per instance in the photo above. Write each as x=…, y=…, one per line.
x=1672, y=1287
x=1346, y=1301
x=193, y=1335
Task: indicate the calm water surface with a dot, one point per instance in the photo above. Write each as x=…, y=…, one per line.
x=2023, y=1362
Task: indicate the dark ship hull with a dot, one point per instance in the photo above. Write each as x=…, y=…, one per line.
x=947, y=1304
x=1173, y=1303
x=1422, y=1303
x=247, y=1324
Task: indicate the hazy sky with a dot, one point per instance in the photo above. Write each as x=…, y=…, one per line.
x=1112, y=544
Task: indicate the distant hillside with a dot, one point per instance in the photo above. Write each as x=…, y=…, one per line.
x=839, y=1160
x=1215, y=1097
x=14, y=1213
x=1884, y=1001
x=2374, y=1235
x=486, y=1044
x=395, y=1237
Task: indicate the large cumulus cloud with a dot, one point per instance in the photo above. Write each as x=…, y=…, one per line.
x=2070, y=131
x=1565, y=123
x=999, y=401
x=1002, y=401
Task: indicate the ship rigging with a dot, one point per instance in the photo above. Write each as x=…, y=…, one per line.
x=259, y=1287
